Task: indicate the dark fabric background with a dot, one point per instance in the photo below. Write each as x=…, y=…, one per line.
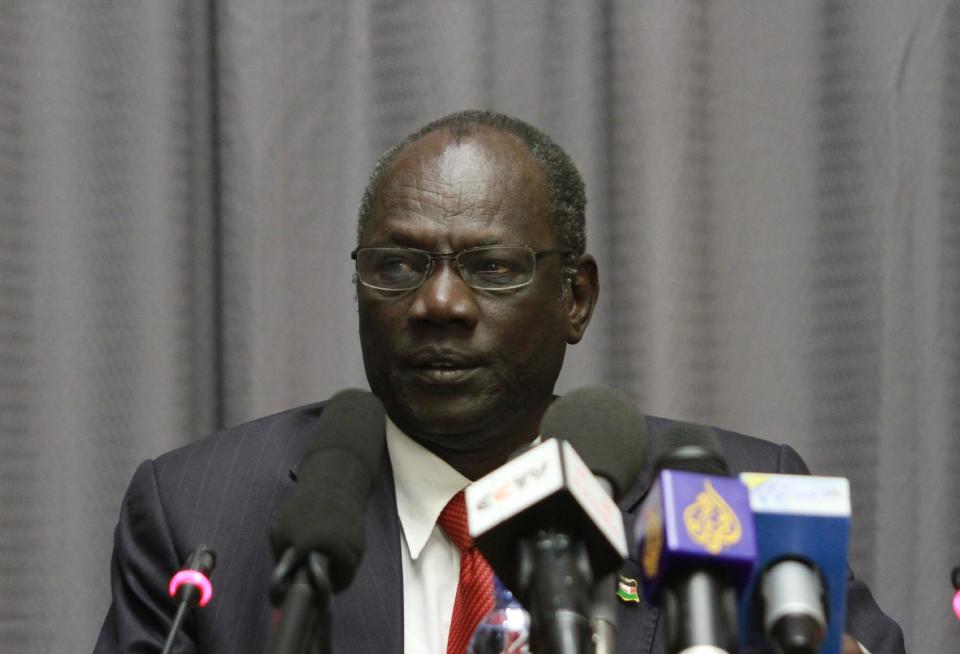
x=774, y=198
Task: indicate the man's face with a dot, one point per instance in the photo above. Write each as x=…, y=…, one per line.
x=459, y=368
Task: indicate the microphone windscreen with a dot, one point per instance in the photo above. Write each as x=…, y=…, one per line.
x=605, y=428
x=345, y=415
x=690, y=448
x=342, y=458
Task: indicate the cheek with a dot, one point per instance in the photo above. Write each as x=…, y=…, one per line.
x=377, y=324
x=535, y=337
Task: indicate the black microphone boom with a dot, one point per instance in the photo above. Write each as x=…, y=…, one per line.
x=318, y=533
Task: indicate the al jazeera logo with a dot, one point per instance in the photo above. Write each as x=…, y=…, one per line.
x=652, y=544
x=711, y=522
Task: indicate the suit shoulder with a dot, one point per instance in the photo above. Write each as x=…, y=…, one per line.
x=225, y=484
x=264, y=443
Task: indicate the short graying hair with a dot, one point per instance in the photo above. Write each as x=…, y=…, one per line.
x=567, y=195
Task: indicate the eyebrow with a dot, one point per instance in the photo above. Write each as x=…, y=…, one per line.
x=412, y=240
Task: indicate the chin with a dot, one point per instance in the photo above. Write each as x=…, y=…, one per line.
x=444, y=421
x=444, y=424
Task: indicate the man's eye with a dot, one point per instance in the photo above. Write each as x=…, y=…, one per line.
x=495, y=271
x=492, y=267
x=394, y=264
x=394, y=267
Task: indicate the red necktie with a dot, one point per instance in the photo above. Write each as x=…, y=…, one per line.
x=475, y=588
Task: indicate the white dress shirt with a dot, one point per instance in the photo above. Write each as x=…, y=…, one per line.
x=431, y=562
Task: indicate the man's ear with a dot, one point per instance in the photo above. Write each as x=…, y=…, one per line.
x=584, y=290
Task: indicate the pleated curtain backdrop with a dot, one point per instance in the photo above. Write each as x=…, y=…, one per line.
x=774, y=199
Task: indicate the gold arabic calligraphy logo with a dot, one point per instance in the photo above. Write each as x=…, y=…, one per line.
x=652, y=544
x=711, y=522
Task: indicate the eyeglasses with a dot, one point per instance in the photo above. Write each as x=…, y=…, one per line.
x=488, y=268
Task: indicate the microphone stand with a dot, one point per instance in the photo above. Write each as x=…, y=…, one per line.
x=603, y=614
x=304, y=590
x=713, y=602
x=553, y=573
x=190, y=587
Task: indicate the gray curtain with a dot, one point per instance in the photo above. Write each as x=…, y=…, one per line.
x=774, y=197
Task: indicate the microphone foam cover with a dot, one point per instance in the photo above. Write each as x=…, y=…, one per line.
x=691, y=448
x=605, y=428
x=325, y=513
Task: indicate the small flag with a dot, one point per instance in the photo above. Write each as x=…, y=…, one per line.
x=627, y=589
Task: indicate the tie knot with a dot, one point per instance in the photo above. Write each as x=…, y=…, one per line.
x=453, y=521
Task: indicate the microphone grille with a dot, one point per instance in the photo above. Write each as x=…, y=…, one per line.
x=325, y=513
x=605, y=428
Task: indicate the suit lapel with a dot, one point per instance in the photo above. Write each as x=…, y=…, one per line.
x=636, y=621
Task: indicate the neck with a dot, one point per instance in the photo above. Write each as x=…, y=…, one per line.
x=474, y=464
x=476, y=453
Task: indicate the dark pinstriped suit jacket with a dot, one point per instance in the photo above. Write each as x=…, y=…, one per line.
x=223, y=490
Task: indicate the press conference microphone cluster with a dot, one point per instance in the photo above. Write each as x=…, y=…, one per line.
x=777, y=541
x=547, y=523
x=318, y=532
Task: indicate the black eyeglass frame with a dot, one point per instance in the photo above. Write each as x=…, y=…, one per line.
x=455, y=256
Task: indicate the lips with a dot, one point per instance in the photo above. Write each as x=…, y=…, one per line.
x=443, y=366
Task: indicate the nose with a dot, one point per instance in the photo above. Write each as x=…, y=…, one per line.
x=444, y=298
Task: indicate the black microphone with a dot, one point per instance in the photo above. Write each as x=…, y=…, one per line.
x=318, y=532
x=695, y=540
x=617, y=461
x=548, y=526
x=190, y=587
x=689, y=447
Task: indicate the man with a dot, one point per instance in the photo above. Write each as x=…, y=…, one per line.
x=472, y=278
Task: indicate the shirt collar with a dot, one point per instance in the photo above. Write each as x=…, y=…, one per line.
x=424, y=484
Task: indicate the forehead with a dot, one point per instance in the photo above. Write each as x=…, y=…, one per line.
x=482, y=187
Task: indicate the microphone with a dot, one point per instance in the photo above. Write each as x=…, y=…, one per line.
x=190, y=587
x=548, y=526
x=955, y=579
x=620, y=459
x=796, y=599
x=318, y=532
x=695, y=541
